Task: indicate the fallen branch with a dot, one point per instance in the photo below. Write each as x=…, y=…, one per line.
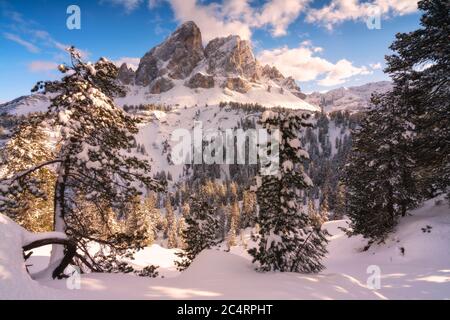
x=68, y=256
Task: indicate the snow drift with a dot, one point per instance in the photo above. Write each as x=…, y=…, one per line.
x=414, y=263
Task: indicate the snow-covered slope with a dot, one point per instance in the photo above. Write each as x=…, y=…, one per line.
x=420, y=271
x=15, y=282
x=181, y=96
x=26, y=104
x=352, y=98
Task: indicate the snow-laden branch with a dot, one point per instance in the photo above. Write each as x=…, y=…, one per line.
x=31, y=170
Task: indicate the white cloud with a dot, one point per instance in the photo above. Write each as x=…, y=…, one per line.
x=154, y=3
x=128, y=5
x=279, y=14
x=375, y=66
x=28, y=45
x=40, y=66
x=338, y=11
x=211, y=18
x=238, y=16
x=133, y=63
x=302, y=64
x=341, y=71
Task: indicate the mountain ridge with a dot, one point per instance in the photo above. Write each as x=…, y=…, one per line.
x=226, y=66
x=355, y=98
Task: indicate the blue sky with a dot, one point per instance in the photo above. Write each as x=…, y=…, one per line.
x=323, y=44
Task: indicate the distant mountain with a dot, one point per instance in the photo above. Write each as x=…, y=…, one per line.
x=352, y=98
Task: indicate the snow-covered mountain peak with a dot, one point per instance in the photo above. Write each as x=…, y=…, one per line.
x=181, y=71
x=348, y=98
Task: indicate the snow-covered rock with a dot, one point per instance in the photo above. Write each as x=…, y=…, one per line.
x=352, y=98
x=15, y=282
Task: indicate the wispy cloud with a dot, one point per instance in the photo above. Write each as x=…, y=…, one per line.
x=28, y=34
x=17, y=39
x=375, y=66
x=128, y=5
x=42, y=66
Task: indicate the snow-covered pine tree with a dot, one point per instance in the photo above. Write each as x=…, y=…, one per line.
x=379, y=175
x=200, y=232
x=186, y=209
x=94, y=153
x=248, y=209
x=420, y=66
x=181, y=226
x=234, y=224
x=313, y=214
x=31, y=207
x=171, y=226
x=324, y=209
x=138, y=223
x=154, y=216
x=287, y=239
x=340, y=205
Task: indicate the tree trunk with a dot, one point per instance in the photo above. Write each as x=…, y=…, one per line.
x=67, y=257
x=59, y=224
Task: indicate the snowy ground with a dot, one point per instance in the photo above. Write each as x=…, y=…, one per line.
x=422, y=271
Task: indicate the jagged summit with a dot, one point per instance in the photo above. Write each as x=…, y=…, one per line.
x=175, y=58
x=226, y=65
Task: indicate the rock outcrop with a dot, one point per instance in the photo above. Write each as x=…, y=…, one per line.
x=176, y=57
x=161, y=85
x=200, y=80
x=125, y=74
x=237, y=84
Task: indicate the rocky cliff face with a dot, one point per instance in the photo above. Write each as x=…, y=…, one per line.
x=125, y=74
x=175, y=58
x=226, y=62
x=232, y=56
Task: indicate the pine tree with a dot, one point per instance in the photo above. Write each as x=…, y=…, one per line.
x=138, y=223
x=154, y=216
x=234, y=224
x=31, y=207
x=340, y=205
x=313, y=214
x=287, y=240
x=171, y=227
x=420, y=66
x=94, y=156
x=324, y=209
x=248, y=209
x=181, y=226
x=186, y=209
x=201, y=230
x=379, y=175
